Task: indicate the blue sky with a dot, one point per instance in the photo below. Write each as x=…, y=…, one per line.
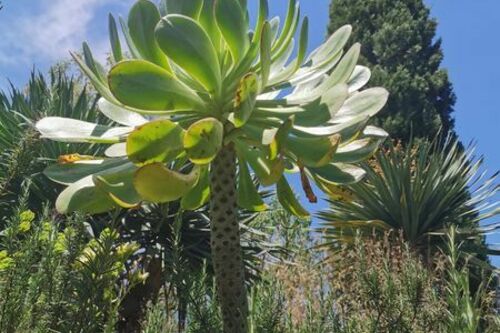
x=39, y=32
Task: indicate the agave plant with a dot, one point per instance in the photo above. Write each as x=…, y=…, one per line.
x=22, y=154
x=420, y=191
x=198, y=87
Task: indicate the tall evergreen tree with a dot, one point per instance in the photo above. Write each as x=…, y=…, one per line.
x=399, y=44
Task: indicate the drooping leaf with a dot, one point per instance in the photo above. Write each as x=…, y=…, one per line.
x=338, y=173
x=71, y=130
x=359, y=78
x=248, y=196
x=186, y=43
x=288, y=200
x=203, y=140
x=84, y=197
x=156, y=141
x=118, y=184
x=156, y=183
x=116, y=150
x=313, y=152
x=120, y=115
x=142, y=21
x=200, y=194
x=143, y=85
x=366, y=103
x=69, y=173
x=267, y=171
x=230, y=18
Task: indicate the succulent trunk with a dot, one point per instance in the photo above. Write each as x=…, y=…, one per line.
x=225, y=243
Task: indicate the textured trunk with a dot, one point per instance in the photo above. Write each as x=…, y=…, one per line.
x=225, y=243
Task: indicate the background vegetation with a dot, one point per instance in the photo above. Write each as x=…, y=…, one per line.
x=389, y=266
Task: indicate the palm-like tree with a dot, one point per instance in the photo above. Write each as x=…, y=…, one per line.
x=420, y=191
x=198, y=86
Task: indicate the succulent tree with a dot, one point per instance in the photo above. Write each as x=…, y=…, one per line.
x=202, y=102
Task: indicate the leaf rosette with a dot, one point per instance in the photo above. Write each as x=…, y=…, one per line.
x=195, y=77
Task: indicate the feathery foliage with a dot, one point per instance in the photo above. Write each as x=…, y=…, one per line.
x=399, y=44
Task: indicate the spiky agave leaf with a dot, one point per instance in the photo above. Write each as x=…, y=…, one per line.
x=202, y=71
x=420, y=190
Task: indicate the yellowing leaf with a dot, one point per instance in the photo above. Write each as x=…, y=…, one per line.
x=203, y=140
x=156, y=141
x=156, y=183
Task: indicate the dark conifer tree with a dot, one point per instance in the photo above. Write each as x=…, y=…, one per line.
x=399, y=44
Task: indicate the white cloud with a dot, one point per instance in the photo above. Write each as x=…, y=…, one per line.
x=60, y=26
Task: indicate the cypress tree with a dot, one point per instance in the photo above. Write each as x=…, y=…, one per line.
x=399, y=44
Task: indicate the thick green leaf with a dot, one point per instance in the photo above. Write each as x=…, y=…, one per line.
x=118, y=184
x=91, y=63
x=248, y=196
x=287, y=199
x=265, y=54
x=142, y=21
x=69, y=173
x=344, y=69
x=83, y=196
x=200, y=194
x=156, y=141
x=366, y=103
x=359, y=78
x=71, y=130
x=191, y=8
x=207, y=21
x=313, y=152
x=246, y=96
x=203, y=140
x=186, y=43
x=156, y=183
x=331, y=47
x=101, y=87
x=338, y=174
x=230, y=18
x=114, y=40
x=144, y=85
x=287, y=30
x=134, y=52
x=267, y=171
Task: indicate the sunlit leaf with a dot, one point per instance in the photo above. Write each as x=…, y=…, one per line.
x=246, y=96
x=203, y=140
x=143, y=85
x=186, y=43
x=71, y=130
x=248, y=196
x=156, y=183
x=156, y=141
x=230, y=18
x=142, y=20
x=288, y=200
x=120, y=115
x=200, y=194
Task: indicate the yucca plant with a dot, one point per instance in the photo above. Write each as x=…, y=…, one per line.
x=419, y=190
x=197, y=87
